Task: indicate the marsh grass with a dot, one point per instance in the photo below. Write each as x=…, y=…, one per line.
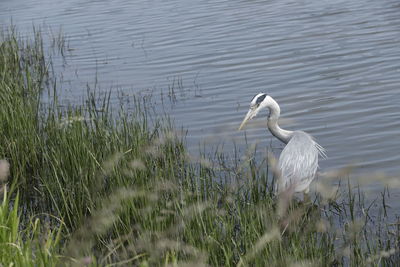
x=88, y=185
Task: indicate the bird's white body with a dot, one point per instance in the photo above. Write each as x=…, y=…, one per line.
x=298, y=174
x=298, y=163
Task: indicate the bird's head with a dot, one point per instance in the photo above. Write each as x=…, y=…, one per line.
x=259, y=101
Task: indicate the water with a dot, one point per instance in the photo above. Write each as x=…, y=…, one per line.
x=334, y=66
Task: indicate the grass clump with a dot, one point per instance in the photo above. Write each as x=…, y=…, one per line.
x=32, y=244
x=91, y=185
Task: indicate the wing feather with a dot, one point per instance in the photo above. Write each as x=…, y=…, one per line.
x=298, y=163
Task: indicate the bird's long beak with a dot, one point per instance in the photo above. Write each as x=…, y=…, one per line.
x=248, y=117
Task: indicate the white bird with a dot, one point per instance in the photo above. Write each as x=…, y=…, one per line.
x=298, y=162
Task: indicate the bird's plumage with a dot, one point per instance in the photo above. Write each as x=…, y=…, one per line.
x=298, y=162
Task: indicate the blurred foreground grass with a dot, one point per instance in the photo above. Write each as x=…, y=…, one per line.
x=89, y=185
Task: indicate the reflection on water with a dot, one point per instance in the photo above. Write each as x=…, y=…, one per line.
x=334, y=67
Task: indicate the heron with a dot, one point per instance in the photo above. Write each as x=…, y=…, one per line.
x=298, y=163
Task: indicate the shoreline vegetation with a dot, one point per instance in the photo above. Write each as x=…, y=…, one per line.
x=94, y=185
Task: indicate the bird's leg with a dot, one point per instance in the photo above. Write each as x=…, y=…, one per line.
x=306, y=198
x=308, y=203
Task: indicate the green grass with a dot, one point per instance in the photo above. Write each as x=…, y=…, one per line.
x=94, y=185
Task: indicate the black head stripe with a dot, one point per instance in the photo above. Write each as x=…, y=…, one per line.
x=254, y=97
x=260, y=98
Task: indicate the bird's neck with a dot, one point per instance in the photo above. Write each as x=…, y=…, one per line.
x=278, y=132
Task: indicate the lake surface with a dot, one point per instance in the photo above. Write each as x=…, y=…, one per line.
x=333, y=66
